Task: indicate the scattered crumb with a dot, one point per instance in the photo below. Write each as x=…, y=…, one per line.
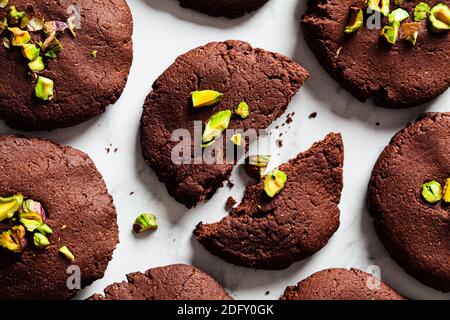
x=63, y=227
x=279, y=143
x=377, y=124
x=131, y=193
x=289, y=118
x=283, y=124
x=313, y=115
x=267, y=293
x=281, y=134
x=338, y=52
x=277, y=127
x=116, y=149
x=230, y=203
x=230, y=184
x=107, y=150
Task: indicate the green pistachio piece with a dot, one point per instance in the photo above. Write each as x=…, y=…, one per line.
x=398, y=15
x=3, y=3
x=37, y=65
x=243, y=110
x=432, y=191
x=256, y=165
x=51, y=54
x=382, y=6
x=52, y=43
x=205, y=98
x=411, y=31
x=30, y=220
x=9, y=206
x=237, y=139
x=14, y=240
x=356, y=20
x=67, y=253
x=24, y=22
x=44, y=88
x=20, y=37
x=30, y=51
x=3, y=25
x=45, y=229
x=440, y=18
x=398, y=2
x=14, y=16
x=421, y=11
x=218, y=123
x=72, y=25
x=53, y=27
x=6, y=43
x=94, y=54
x=41, y=241
x=145, y=222
x=390, y=32
x=274, y=182
x=35, y=24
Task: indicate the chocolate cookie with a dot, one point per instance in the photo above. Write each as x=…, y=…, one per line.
x=89, y=73
x=226, y=8
x=266, y=81
x=175, y=282
x=396, y=76
x=273, y=233
x=415, y=231
x=341, y=284
x=78, y=209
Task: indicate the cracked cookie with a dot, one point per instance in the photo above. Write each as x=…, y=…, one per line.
x=72, y=62
x=210, y=82
x=174, y=282
x=226, y=8
x=402, y=65
x=413, y=226
x=272, y=232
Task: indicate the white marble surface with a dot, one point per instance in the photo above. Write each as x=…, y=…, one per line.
x=162, y=31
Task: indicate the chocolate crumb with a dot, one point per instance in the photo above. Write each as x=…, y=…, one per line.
x=267, y=293
x=116, y=149
x=279, y=143
x=230, y=203
x=313, y=115
x=377, y=124
x=131, y=193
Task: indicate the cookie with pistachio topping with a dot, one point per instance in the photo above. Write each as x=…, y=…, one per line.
x=51, y=79
x=223, y=8
x=55, y=211
x=286, y=220
x=205, y=87
x=174, y=282
x=408, y=197
x=398, y=55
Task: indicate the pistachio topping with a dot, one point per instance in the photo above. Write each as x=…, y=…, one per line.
x=33, y=206
x=72, y=25
x=51, y=27
x=421, y=11
x=35, y=24
x=67, y=253
x=44, y=88
x=256, y=165
x=440, y=18
x=30, y=220
x=3, y=25
x=205, y=98
x=398, y=2
x=432, y=191
x=14, y=240
x=216, y=125
x=390, y=32
x=382, y=6
x=30, y=51
x=94, y=54
x=145, y=222
x=37, y=64
x=51, y=54
x=356, y=20
x=411, y=31
x=274, y=182
x=14, y=16
x=41, y=241
x=243, y=110
x=237, y=139
x=20, y=37
x=398, y=15
x=6, y=43
x=52, y=43
x=9, y=206
x=3, y=3
x=45, y=229
x=446, y=191
x=24, y=22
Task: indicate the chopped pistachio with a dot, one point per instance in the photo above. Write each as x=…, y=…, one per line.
x=9, y=206
x=45, y=229
x=398, y=2
x=256, y=165
x=440, y=18
x=94, y=54
x=145, y=222
x=44, y=88
x=243, y=110
x=356, y=20
x=72, y=25
x=411, y=31
x=33, y=206
x=52, y=43
x=35, y=24
x=30, y=220
x=37, y=64
x=432, y=191
x=3, y=25
x=398, y=15
x=216, y=125
x=14, y=16
x=446, y=191
x=51, y=54
x=274, y=182
x=14, y=240
x=20, y=37
x=237, y=139
x=3, y=3
x=30, y=51
x=421, y=11
x=24, y=22
x=205, y=98
x=41, y=241
x=6, y=43
x=390, y=32
x=382, y=6
x=67, y=253
x=51, y=27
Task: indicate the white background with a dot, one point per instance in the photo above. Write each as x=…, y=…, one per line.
x=162, y=31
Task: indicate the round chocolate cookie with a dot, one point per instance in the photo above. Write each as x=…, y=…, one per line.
x=341, y=284
x=174, y=282
x=273, y=233
x=78, y=209
x=88, y=74
x=396, y=76
x=226, y=8
x=415, y=231
x=266, y=81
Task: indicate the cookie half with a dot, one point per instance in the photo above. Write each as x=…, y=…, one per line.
x=226, y=8
x=266, y=81
x=341, y=284
x=88, y=74
x=273, y=233
x=396, y=76
x=415, y=231
x=78, y=209
x=174, y=282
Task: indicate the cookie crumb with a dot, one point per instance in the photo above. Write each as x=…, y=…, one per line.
x=116, y=149
x=131, y=193
x=377, y=124
x=107, y=150
x=279, y=143
x=230, y=184
x=267, y=293
x=313, y=115
x=230, y=203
